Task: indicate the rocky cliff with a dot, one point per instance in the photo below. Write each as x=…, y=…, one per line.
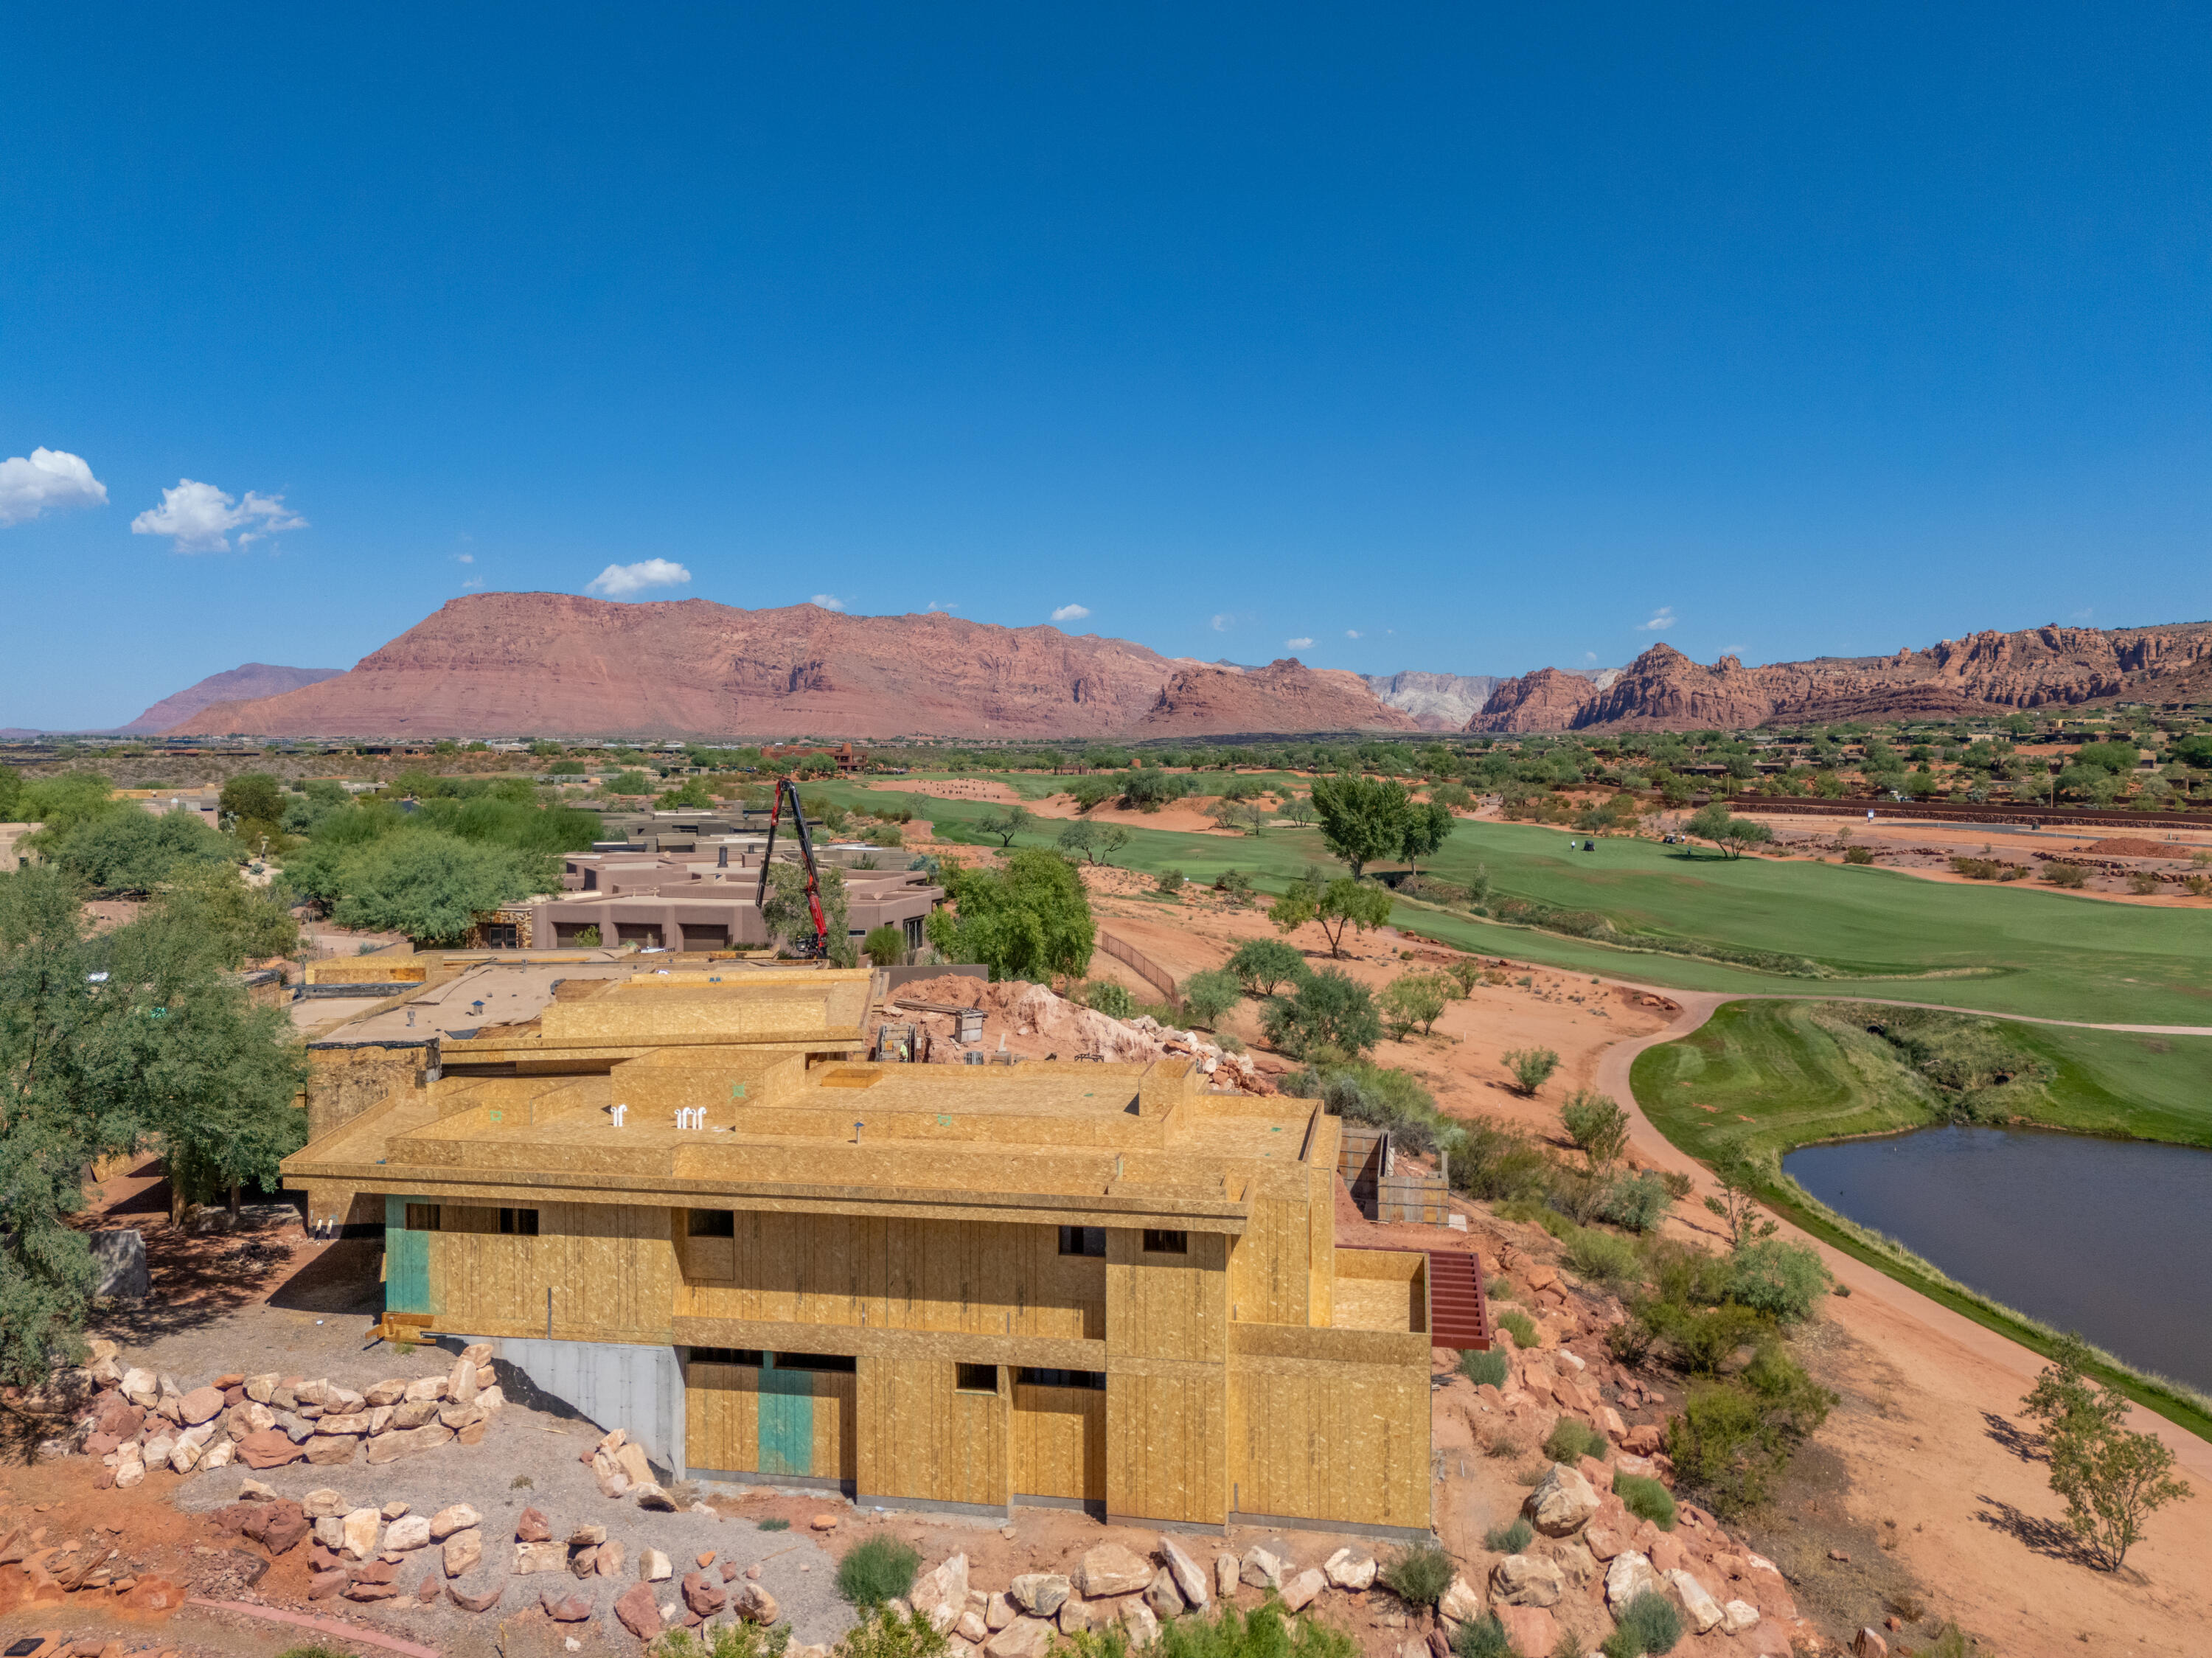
x=1437, y=702
x=2040, y=667
x=557, y=665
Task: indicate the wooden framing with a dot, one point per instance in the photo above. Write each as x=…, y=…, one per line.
x=703, y=1163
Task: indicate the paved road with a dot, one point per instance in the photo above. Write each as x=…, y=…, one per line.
x=1613, y=1078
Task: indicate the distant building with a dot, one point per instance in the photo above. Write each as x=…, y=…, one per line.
x=203, y=800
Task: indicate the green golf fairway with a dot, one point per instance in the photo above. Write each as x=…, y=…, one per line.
x=1883, y=933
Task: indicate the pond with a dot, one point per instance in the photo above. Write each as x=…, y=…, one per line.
x=2108, y=1237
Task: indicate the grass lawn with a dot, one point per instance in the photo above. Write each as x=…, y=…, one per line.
x=1764, y=1078
x=1884, y=933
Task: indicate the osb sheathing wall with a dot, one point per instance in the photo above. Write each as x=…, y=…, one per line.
x=344, y=1082
x=1060, y=1443
x=723, y=1414
x=921, y=1437
x=1326, y=1440
x=611, y=1269
x=861, y=1272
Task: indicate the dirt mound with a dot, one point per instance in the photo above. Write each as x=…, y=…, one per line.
x=557, y=664
x=1032, y=1023
x=2126, y=845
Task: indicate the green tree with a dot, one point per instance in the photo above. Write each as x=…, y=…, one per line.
x=2113, y=1479
x=629, y=782
x=1007, y=822
x=787, y=915
x=1300, y=903
x=1362, y=818
x=1263, y=964
x=1737, y=1203
x=130, y=1041
x=1096, y=843
x=253, y=796
x=1597, y=1125
x=241, y=922
x=1206, y=996
x=693, y=796
x=135, y=852
x=1429, y=824
x=426, y=884
x=1299, y=810
x=1348, y=902
x=884, y=945
x=1731, y=834
x=1028, y=919
x=1532, y=1067
x=1326, y=1010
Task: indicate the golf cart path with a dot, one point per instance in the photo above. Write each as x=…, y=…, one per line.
x=1614, y=1068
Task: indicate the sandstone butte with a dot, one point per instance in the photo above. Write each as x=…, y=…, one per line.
x=1983, y=673
x=254, y=681
x=556, y=664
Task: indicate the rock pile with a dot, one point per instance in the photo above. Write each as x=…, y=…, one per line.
x=136, y=1421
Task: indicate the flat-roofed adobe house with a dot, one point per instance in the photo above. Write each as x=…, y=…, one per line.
x=688, y=1205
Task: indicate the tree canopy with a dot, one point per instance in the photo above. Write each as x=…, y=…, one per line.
x=1027, y=920
x=426, y=884
x=134, y=852
x=1362, y=818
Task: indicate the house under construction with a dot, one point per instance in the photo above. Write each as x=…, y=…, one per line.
x=691, y=1207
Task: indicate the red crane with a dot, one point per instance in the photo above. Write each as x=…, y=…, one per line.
x=818, y=946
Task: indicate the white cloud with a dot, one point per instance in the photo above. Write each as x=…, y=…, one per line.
x=1296, y=644
x=472, y=583
x=1352, y=632
x=465, y=558
x=1221, y=622
x=829, y=601
x=621, y=580
x=201, y=518
x=1661, y=619
x=940, y=605
x=46, y=478
x=1071, y=613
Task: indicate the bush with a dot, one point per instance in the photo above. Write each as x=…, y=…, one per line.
x=1638, y=1202
x=1734, y=1437
x=2065, y=875
x=1509, y=1540
x=1597, y=1125
x=1207, y=996
x=1572, y=1441
x=1419, y=1574
x=1499, y=1164
x=1531, y=1067
x=885, y=946
x=1858, y=854
x=1521, y=1327
x=1171, y=883
x=1263, y=965
x=1415, y=998
x=1264, y=1632
x=587, y=937
x=1704, y=1338
x=1629, y=1341
x=1649, y=1623
x=735, y=1640
x=1647, y=1499
x=1605, y=1257
x=1483, y=1637
x=1783, y=1280
x=772, y=1524
x=1327, y=1009
x=887, y=1635
x=1485, y=1367
x=1105, y=996
x=878, y=1569
x=2143, y=883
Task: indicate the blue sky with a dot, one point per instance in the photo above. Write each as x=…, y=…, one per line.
x=1445, y=337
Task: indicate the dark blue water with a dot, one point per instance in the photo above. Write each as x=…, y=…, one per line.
x=2112, y=1238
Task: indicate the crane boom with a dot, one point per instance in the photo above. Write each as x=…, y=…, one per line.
x=818, y=946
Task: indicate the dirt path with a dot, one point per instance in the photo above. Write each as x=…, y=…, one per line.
x=1946, y=1457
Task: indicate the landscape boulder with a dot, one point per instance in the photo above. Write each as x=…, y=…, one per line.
x=1347, y=1571
x=1531, y=1632
x=639, y=1614
x=756, y=1605
x=447, y=1521
x=1226, y=1569
x=1461, y=1602
x=533, y=1557
x=1040, y=1592
x=358, y=1532
x=1261, y=1567
x=704, y=1594
x=1139, y=1623
x=391, y=1446
x=463, y=1551
x=1705, y=1614
x=1109, y=1569
x=1527, y=1580
x=1162, y=1595
x=478, y=1601
x=201, y=1405
x=408, y=1532
x=1562, y=1502
x=653, y=1567
x=1628, y=1575
x=1026, y=1637
x=265, y=1448
x=1301, y=1591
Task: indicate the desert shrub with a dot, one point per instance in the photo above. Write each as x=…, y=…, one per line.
x=1263, y=966
x=587, y=937
x=884, y=945
x=878, y=1569
x=737, y=1640
x=1639, y=1202
x=1499, y=1288
x=1703, y=1338
x=1263, y=1632
x=1419, y=1574
x=1482, y=1637
x=1975, y=869
x=1499, y=1164
x=886, y=1635
x=2143, y=883
x=1510, y=1538
x=773, y=1523
x=1572, y=1441
x=1858, y=854
x=2197, y=886
x=1649, y=1623
x=2065, y=875
x=1596, y=1124
x=1326, y=1008
x=1414, y=998
x=1520, y=1326
x=1629, y=1341
x=1361, y=1091
x=1206, y=996
x=1531, y=1067
x=1605, y=1257
x=1783, y=1280
x=1734, y=1437
x=1647, y=1499
x=1485, y=1367
x=1105, y=996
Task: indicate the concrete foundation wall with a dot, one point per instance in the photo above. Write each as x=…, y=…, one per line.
x=613, y=1384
